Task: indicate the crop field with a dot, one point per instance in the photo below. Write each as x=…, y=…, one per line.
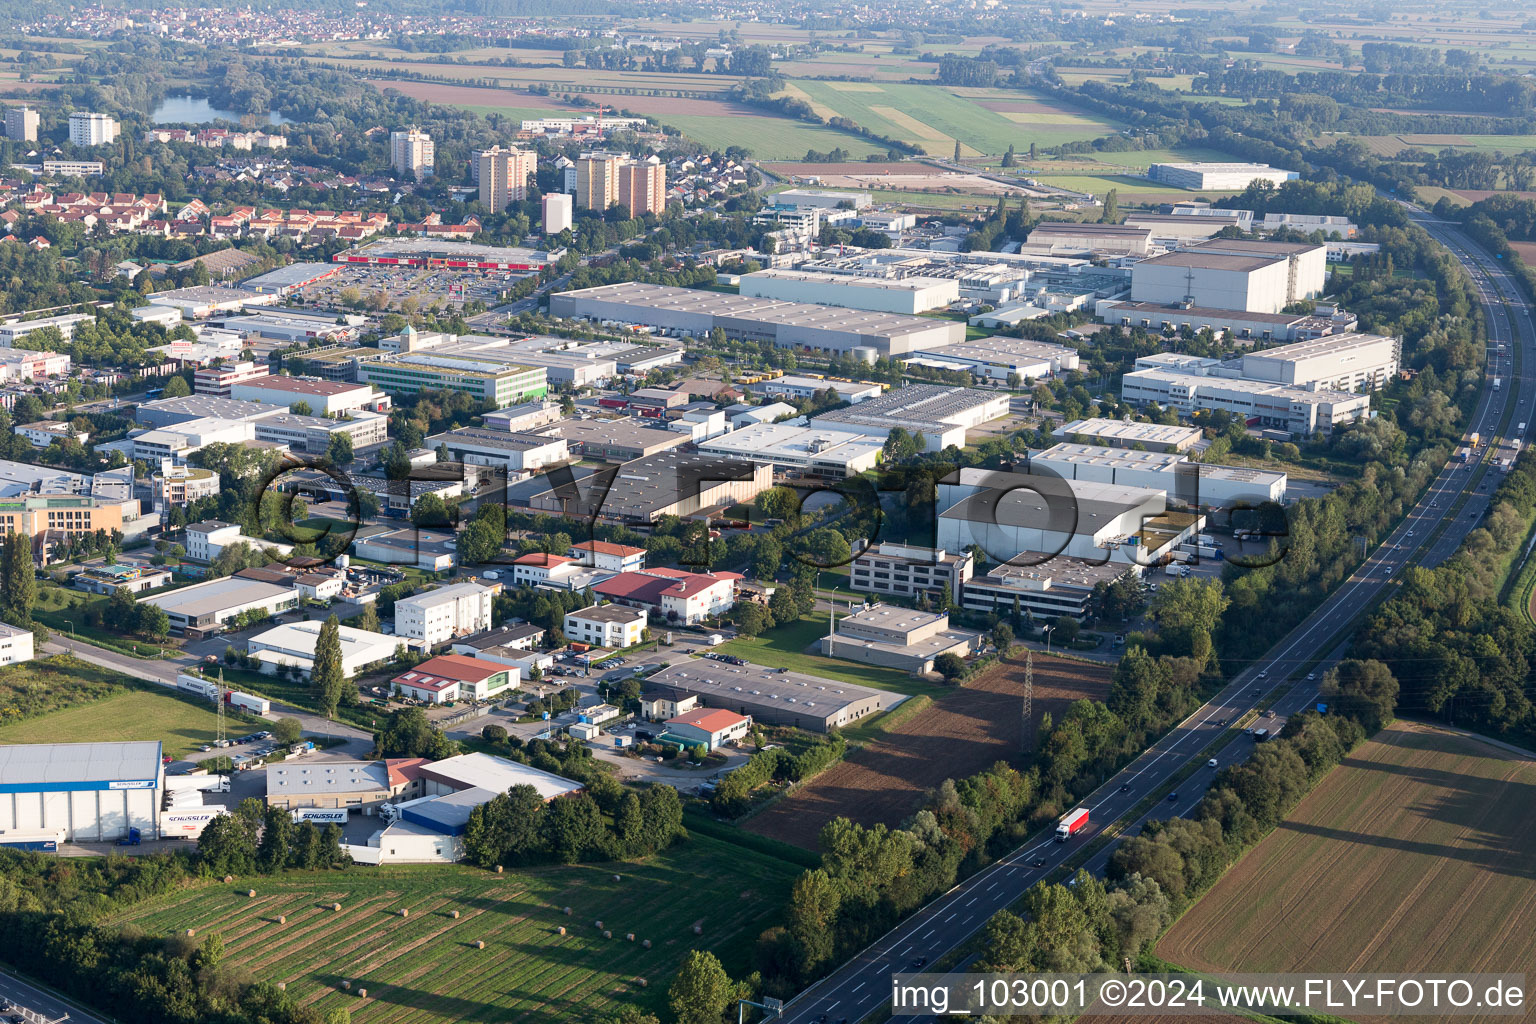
x=960, y=733
x=983, y=121
x=1426, y=836
x=905, y=177
x=426, y=969
x=180, y=725
x=766, y=136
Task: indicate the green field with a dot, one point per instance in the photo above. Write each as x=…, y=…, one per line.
x=181, y=725
x=936, y=117
x=784, y=647
x=767, y=136
x=65, y=611
x=425, y=969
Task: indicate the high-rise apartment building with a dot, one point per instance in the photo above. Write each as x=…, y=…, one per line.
x=412, y=153
x=597, y=180
x=503, y=176
x=87, y=129
x=643, y=186
x=557, y=212
x=21, y=124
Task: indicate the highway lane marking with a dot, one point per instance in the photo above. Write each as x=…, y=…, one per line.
x=950, y=918
x=973, y=899
x=858, y=986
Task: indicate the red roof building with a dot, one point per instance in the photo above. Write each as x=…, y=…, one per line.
x=452, y=677
x=708, y=727
x=675, y=596
x=601, y=554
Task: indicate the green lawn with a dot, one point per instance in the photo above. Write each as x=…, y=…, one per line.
x=64, y=610
x=425, y=969
x=784, y=647
x=768, y=136
x=181, y=724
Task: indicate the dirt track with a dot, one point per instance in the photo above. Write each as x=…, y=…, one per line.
x=961, y=734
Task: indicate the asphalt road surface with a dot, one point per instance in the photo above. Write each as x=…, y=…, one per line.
x=861, y=987
x=36, y=1005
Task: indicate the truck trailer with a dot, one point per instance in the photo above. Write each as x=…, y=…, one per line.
x=248, y=702
x=1071, y=824
x=34, y=840
x=321, y=815
x=188, y=824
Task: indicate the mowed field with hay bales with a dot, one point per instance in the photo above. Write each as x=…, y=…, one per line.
x=1412, y=855
x=427, y=968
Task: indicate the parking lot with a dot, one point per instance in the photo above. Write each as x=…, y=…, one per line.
x=428, y=287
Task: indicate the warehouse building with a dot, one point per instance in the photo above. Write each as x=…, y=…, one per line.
x=1259, y=403
x=998, y=358
x=1037, y=516
x=907, y=570
x=351, y=785
x=1189, y=484
x=1343, y=362
x=821, y=199
x=941, y=413
x=437, y=254
x=768, y=695
x=621, y=440
x=293, y=644
x=518, y=418
x=1256, y=277
x=202, y=301
x=1152, y=437
x=830, y=454
x=80, y=792
x=170, y=412
x=1229, y=177
x=284, y=281
x=491, y=773
x=910, y=295
x=324, y=397
x=516, y=453
x=1070, y=236
x=686, y=311
x=1043, y=589
x=894, y=637
x=1285, y=327
x=439, y=615
x=800, y=388
x=432, y=550
x=672, y=483
x=278, y=326
x=205, y=608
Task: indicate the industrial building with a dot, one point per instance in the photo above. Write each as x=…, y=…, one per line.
x=910, y=295
x=169, y=412
x=671, y=483
x=437, y=616
x=517, y=453
x=831, y=454
x=606, y=625
x=486, y=380
x=1153, y=437
x=1231, y=177
x=894, y=637
x=768, y=695
x=998, y=358
x=312, y=434
x=1256, y=277
x=352, y=785
x=324, y=397
x=455, y=677
x=1260, y=403
x=205, y=608
x=622, y=440
x=284, y=281
x=687, y=311
x=1342, y=362
x=518, y=418
x=825, y=199
x=1022, y=517
x=198, y=302
x=80, y=792
x=491, y=773
x=673, y=596
x=1164, y=319
x=907, y=571
x=432, y=550
x=436, y=254
x=1043, y=590
x=13, y=331
x=1071, y=236
x=801, y=388
x=1189, y=484
x=277, y=326
x=941, y=413
x=293, y=645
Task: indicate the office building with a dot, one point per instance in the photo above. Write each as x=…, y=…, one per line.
x=557, y=211
x=88, y=129
x=486, y=379
x=312, y=434
x=21, y=124
x=1189, y=484
x=208, y=539
x=437, y=616
x=177, y=485
x=907, y=570
x=606, y=625
x=710, y=728
x=13, y=331
x=597, y=180
x=1240, y=324
x=518, y=454
x=454, y=677
x=890, y=636
x=1342, y=362
x=218, y=381
x=601, y=554
x=643, y=187
x=324, y=397
x=1259, y=403
x=62, y=515
x=1256, y=277
x=412, y=153
x=672, y=596
x=1043, y=589
x=1233, y=177
x=503, y=176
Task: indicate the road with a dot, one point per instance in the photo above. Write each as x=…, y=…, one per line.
x=861, y=986
x=38, y=1004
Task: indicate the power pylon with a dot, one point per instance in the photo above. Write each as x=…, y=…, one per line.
x=1029, y=698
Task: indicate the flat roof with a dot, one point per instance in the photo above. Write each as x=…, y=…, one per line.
x=915, y=404
x=430, y=247
x=328, y=777
x=1048, y=502
x=205, y=406
x=1065, y=227
x=209, y=293
x=215, y=595
x=452, y=592
x=765, y=442
x=607, y=613
x=1129, y=431
x=1212, y=261
x=623, y=432
x=1205, y=312
x=1328, y=345
x=497, y=774
x=892, y=284
x=34, y=767
x=719, y=684
x=642, y=485
x=480, y=437
x=293, y=274
x=998, y=349
x=301, y=386
x=302, y=637
x=1255, y=247
x=1302, y=396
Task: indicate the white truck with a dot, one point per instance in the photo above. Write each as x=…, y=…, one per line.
x=248, y=702
x=203, y=783
x=187, y=824
x=199, y=686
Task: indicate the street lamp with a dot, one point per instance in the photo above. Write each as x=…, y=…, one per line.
x=70, y=624
x=1047, y=631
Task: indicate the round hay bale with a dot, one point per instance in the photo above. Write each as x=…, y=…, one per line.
x=698, y=929
x=615, y=878
x=479, y=943
x=455, y=915
x=630, y=937
x=498, y=869
x=404, y=912
x=560, y=930
x=282, y=918
x=251, y=893
x=599, y=924
x=347, y=985
x=282, y=986
x=646, y=943
x=567, y=911
x=228, y=879
x=362, y=993
x=607, y=935
x=191, y=932
x=641, y=982
x=336, y=906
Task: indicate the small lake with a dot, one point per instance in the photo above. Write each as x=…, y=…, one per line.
x=197, y=110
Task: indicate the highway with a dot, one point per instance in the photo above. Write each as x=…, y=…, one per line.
x=36, y=1005
x=861, y=986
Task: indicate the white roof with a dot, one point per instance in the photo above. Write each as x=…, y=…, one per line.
x=59, y=765
x=497, y=774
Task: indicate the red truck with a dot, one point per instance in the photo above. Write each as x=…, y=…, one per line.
x=1071, y=824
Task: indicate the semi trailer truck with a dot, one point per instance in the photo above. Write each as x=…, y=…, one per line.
x=1071, y=824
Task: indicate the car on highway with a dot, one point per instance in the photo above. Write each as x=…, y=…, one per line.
x=1173, y=796
x=1211, y=763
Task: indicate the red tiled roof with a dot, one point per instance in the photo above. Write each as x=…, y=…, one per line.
x=648, y=585
x=540, y=558
x=603, y=547
x=711, y=720
x=445, y=670
x=404, y=769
